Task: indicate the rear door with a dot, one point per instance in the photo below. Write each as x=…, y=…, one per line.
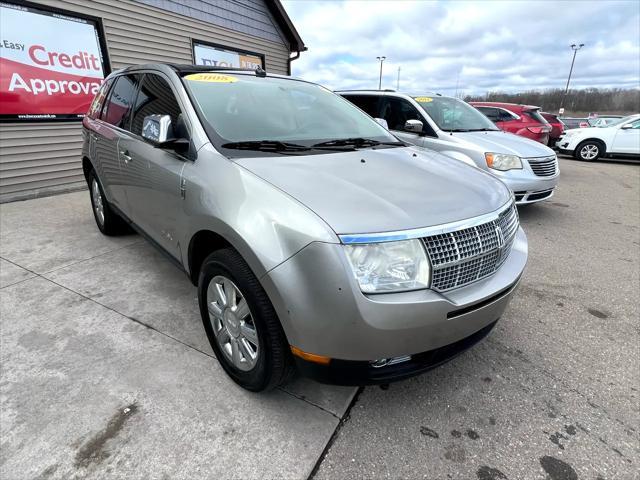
x=114, y=120
x=627, y=140
x=153, y=174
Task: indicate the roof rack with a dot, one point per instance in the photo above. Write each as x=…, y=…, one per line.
x=186, y=68
x=366, y=90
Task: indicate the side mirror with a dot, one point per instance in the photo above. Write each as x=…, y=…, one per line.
x=628, y=126
x=382, y=122
x=413, y=126
x=159, y=131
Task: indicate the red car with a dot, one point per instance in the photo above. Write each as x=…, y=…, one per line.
x=557, y=127
x=524, y=120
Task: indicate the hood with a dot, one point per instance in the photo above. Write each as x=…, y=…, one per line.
x=369, y=191
x=503, y=142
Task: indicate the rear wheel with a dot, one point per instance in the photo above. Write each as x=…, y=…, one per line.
x=107, y=220
x=241, y=324
x=589, y=151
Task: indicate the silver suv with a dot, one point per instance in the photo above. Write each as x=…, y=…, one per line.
x=456, y=129
x=315, y=237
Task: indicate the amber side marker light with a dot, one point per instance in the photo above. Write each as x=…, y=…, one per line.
x=310, y=357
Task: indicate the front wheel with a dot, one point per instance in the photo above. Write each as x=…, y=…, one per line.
x=589, y=151
x=241, y=324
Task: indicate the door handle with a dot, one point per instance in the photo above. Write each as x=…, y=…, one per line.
x=125, y=156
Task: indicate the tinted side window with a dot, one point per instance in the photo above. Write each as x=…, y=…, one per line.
x=397, y=111
x=492, y=113
x=506, y=116
x=98, y=100
x=368, y=103
x=154, y=98
x=118, y=107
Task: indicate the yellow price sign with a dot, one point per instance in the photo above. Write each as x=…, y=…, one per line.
x=423, y=99
x=211, y=78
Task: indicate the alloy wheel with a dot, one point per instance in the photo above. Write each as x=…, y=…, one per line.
x=98, y=205
x=232, y=323
x=589, y=152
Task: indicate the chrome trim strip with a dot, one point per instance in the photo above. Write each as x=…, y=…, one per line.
x=353, y=238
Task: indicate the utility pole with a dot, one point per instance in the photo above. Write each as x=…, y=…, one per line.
x=381, y=60
x=398, y=84
x=575, y=49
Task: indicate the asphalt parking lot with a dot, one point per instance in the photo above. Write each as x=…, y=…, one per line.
x=106, y=371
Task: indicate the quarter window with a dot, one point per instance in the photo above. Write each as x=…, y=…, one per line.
x=506, y=115
x=118, y=107
x=492, y=114
x=154, y=98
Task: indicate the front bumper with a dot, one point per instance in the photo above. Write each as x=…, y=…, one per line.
x=323, y=311
x=527, y=186
x=359, y=373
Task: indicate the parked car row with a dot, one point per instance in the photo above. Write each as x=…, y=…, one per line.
x=317, y=238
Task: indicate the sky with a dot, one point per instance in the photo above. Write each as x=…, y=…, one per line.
x=467, y=47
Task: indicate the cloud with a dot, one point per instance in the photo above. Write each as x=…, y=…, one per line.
x=476, y=46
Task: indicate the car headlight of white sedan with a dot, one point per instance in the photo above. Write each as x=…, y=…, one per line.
x=390, y=266
x=503, y=161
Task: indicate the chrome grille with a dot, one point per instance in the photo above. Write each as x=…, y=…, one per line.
x=544, y=167
x=469, y=254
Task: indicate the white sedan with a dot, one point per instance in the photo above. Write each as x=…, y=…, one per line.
x=621, y=138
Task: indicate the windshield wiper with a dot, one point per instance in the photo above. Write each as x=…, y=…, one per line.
x=266, y=146
x=356, y=142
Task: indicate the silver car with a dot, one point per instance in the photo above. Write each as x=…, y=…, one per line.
x=316, y=238
x=456, y=129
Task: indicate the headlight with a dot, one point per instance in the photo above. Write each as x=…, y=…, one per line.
x=502, y=161
x=390, y=266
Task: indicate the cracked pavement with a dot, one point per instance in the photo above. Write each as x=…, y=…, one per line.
x=106, y=371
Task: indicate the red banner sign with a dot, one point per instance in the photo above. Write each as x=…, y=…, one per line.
x=51, y=65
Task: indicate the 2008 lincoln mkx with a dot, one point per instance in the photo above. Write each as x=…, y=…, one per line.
x=316, y=238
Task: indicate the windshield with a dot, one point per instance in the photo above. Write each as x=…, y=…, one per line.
x=247, y=108
x=453, y=115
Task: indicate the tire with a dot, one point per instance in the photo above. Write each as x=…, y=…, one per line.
x=253, y=326
x=108, y=221
x=589, y=151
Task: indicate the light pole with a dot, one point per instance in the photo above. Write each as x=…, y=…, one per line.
x=398, y=85
x=381, y=60
x=575, y=49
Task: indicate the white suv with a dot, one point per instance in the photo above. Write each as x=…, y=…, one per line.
x=620, y=138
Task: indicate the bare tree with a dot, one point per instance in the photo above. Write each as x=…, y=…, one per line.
x=579, y=102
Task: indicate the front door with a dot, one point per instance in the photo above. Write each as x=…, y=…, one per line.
x=396, y=111
x=627, y=140
x=153, y=174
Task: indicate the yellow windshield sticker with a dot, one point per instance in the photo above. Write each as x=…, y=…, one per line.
x=423, y=99
x=211, y=77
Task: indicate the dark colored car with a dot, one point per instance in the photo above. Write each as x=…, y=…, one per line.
x=557, y=127
x=523, y=120
x=573, y=122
